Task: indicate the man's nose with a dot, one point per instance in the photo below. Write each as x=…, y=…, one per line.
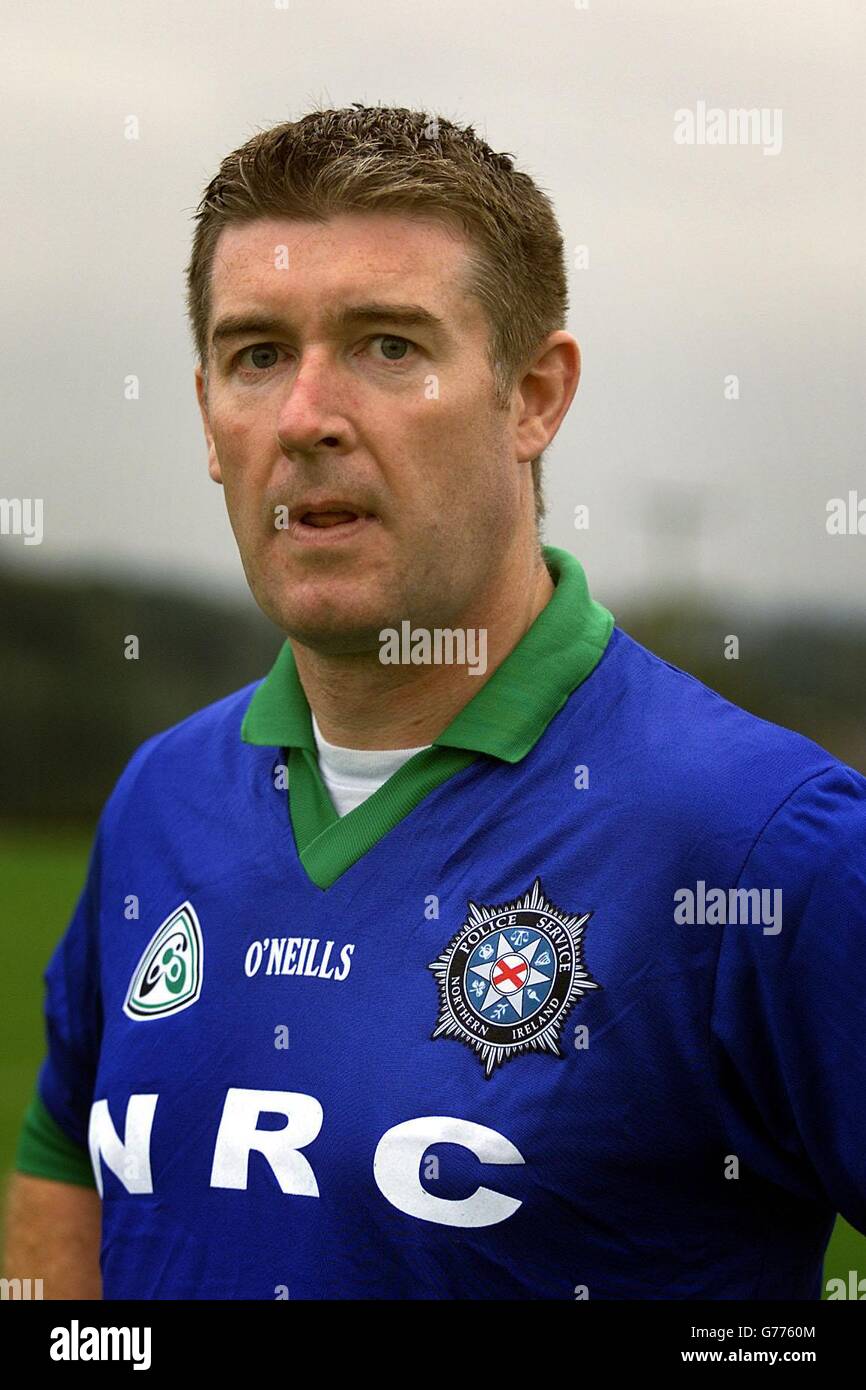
x=312, y=411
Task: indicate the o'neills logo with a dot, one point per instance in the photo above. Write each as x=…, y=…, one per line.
x=169, y=974
x=299, y=955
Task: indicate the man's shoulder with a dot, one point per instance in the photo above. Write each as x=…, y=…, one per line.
x=204, y=747
x=221, y=719
x=687, y=743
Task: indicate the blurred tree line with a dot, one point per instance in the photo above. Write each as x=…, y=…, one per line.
x=806, y=671
x=75, y=709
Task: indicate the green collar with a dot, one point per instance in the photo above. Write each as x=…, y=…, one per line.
x=504, y=720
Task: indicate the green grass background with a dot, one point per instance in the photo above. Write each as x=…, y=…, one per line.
x=41, y=875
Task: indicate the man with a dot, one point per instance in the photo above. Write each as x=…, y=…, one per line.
x=475, y=952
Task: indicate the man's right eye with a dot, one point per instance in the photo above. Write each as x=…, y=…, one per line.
x=258, y=367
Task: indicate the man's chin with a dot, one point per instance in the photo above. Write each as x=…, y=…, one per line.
x=338, y=612
x=327, y=626
x=359, y=641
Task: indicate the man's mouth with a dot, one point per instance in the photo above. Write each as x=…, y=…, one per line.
x=329, y=523
x=328, y=518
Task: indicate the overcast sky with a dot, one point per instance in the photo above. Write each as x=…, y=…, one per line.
x=704, y=261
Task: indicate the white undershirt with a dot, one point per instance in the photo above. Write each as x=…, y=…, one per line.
x=353, y=774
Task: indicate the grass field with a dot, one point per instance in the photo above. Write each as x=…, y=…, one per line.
x=41, y=875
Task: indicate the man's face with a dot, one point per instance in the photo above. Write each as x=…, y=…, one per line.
x=393, y=416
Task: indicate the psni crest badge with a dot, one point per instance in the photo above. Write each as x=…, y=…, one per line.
x=510, y=976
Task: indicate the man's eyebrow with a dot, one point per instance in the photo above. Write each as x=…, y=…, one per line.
x=403, y=315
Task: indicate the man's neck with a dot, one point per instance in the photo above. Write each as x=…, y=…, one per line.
x=361, y=703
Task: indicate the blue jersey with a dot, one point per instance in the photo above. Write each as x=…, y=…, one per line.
x=576, y=1012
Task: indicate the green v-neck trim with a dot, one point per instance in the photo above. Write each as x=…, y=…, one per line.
x=503, y=720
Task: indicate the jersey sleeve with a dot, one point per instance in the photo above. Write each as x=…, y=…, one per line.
x=44, y=1151
x=788, y=1021
x=53, y=1141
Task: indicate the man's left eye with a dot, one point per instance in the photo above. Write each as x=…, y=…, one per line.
x=391, y=346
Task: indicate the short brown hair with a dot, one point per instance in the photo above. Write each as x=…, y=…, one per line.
x=363, y=158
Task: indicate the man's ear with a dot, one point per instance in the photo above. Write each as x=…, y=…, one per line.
x=546, y=392
x=213, y=464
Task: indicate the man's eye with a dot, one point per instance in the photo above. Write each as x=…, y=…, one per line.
x=392, y=345
x=258, y=358
x=257, y=349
